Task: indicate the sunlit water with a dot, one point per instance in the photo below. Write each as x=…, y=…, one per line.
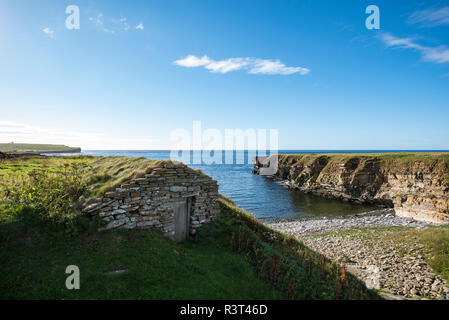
x=265, y=198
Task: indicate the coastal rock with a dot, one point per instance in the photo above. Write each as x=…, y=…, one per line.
x=375, y=256
x=417, y=187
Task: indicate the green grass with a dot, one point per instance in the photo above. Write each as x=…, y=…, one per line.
x=34, y=262
x=391, y=159
x=103, y=174
x=100, y=173
x=235, y=257
x=18, y=168
x=286, y=263
x=35, y=148
x=216, y=264
x=436, y=240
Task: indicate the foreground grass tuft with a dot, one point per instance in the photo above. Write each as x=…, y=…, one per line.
x=437, y=242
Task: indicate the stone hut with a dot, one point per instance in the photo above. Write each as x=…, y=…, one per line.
x=169, y=196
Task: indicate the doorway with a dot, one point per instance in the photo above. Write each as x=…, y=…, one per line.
x=182, y=219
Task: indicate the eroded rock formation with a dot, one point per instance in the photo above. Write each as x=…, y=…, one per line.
x=415, y=185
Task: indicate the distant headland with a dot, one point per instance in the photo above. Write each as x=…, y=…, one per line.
x=26, y=148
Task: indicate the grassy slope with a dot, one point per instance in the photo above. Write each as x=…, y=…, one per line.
x=34, y=261
x=236, y=257
x=104, y=174
x=100, y=173
x=218, y=263
x=35, y=148
x=34, y=257
x=17, y=168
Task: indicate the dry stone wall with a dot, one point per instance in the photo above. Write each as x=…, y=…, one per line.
x=147, y=201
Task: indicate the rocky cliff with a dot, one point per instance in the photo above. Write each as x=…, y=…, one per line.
x=416, y=185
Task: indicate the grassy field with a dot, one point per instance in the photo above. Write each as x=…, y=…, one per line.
x=236, y=257
x=35, y=148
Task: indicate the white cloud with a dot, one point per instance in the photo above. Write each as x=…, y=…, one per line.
x=252, y=65
x=393, y=41
x=438, y=54
x=430, y=17
x=20, y=130
x=192, y=61
x=112, y=25
x=228, y=65
x=49, y=32
x=23, y=133
x=275, y=67
x=124, y=24
x=98, y=20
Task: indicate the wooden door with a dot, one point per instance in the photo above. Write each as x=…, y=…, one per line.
x=182, y=219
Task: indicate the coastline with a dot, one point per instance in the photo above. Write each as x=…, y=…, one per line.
x=377, y=218
x=414, y=184
x=379, y=247
x=376, y=248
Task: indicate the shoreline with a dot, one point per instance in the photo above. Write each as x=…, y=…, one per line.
x=376, y=218
x=371, y=246
x=415, y=185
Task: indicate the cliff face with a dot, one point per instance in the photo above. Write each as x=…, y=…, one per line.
x=415, y=185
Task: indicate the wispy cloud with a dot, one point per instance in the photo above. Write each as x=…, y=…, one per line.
x=21, y=130
x=123, y=24
x=439, y=54
x=430, y=17
x=49, y=32
x=251, y=65
x=275, y=67
x=113, y=25
x=192, y=61
x=98, y=21
x=228, y=65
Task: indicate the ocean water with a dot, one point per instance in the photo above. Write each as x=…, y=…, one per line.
x=266, y=199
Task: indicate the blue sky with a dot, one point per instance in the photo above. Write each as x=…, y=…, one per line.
x=310, y=69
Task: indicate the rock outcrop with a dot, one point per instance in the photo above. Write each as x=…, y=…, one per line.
x=415, y=185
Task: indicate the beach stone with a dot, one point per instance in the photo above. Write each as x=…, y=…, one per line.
x=371, y=254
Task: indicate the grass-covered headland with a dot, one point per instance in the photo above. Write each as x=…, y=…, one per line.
x=19, y=148
x=235, y=257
